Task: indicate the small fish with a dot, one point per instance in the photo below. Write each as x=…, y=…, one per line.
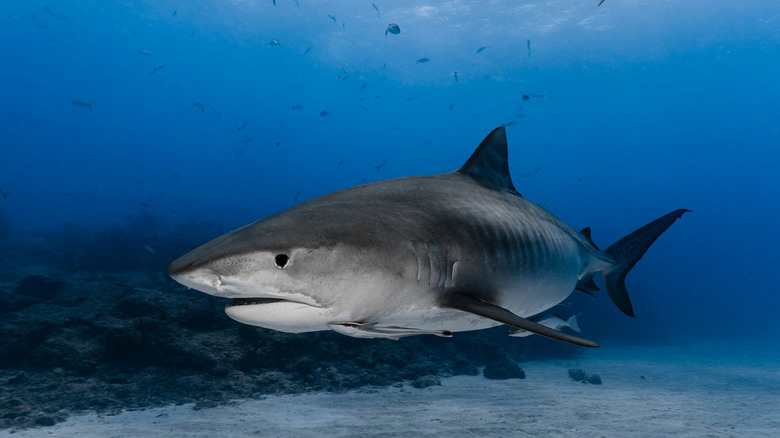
x=297, y=107
x=242, y=126
x=482, y=49
x=538, y=169
x=306, y=52
x=554, y=321
x=144, y=204
x=144, y=52
x=246, y=141
x=341, y=162
x=278, y=143
x=296, y=196
x=452, y=107
x=381, y=165
x=527, y=97
x=87, y=105
x=456, y=76
x=393, y=29
x=528, y=43
x=150, y=250
x=344, y=26
x=600, y=2
x=429, y=142
x=364, y=108
x=378, y=14
x=396, y=128
x=324, y=113
x=274, y=43
x=216, y=110
x=240, y=152
x=156, y=69
x=5, y=194
x=175, y=11
x=332, y=18
x=363, y=87
x=53, y=15
x=422, y=61
x=409, y=99
x=274, y=1
x=199, y=106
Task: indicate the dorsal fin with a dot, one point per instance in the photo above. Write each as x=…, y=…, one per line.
x=488, y=165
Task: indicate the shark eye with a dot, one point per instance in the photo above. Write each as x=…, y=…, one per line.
x=281, y=260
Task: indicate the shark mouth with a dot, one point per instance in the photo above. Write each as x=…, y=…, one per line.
x=260, y=301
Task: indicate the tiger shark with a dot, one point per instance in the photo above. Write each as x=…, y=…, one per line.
x=432, y=254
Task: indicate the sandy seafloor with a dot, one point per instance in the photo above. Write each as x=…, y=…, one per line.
x=708, y=390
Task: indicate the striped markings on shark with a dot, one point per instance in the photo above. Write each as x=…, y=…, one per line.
x=432, y=254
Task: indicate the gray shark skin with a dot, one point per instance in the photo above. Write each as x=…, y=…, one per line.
x=417, y=255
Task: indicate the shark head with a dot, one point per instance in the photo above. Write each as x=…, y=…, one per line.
x=298, y=270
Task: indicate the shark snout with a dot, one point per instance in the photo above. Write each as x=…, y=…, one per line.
x=180, y=266
x=212, y=280
x=204, y=280
x=191, y=272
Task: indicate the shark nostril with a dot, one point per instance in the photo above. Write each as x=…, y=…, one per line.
x=281, y=260
x=217, y=281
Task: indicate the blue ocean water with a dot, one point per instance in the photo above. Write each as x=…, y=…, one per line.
x=162, y=113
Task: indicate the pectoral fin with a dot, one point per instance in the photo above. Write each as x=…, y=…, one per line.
x=371, y=330
x=468, y=303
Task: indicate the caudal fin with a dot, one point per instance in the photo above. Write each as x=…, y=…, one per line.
x=626, y=252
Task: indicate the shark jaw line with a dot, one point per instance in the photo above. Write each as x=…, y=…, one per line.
x=258, y=301
x=279, y=314
x=262, y=296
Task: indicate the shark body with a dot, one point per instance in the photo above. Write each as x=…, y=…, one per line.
x=418, y=255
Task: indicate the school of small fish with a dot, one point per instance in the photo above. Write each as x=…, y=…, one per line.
x=390, y=29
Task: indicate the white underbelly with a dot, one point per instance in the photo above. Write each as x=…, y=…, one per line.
x=438, y=319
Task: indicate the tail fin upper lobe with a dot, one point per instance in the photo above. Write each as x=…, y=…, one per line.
x=626, y=252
